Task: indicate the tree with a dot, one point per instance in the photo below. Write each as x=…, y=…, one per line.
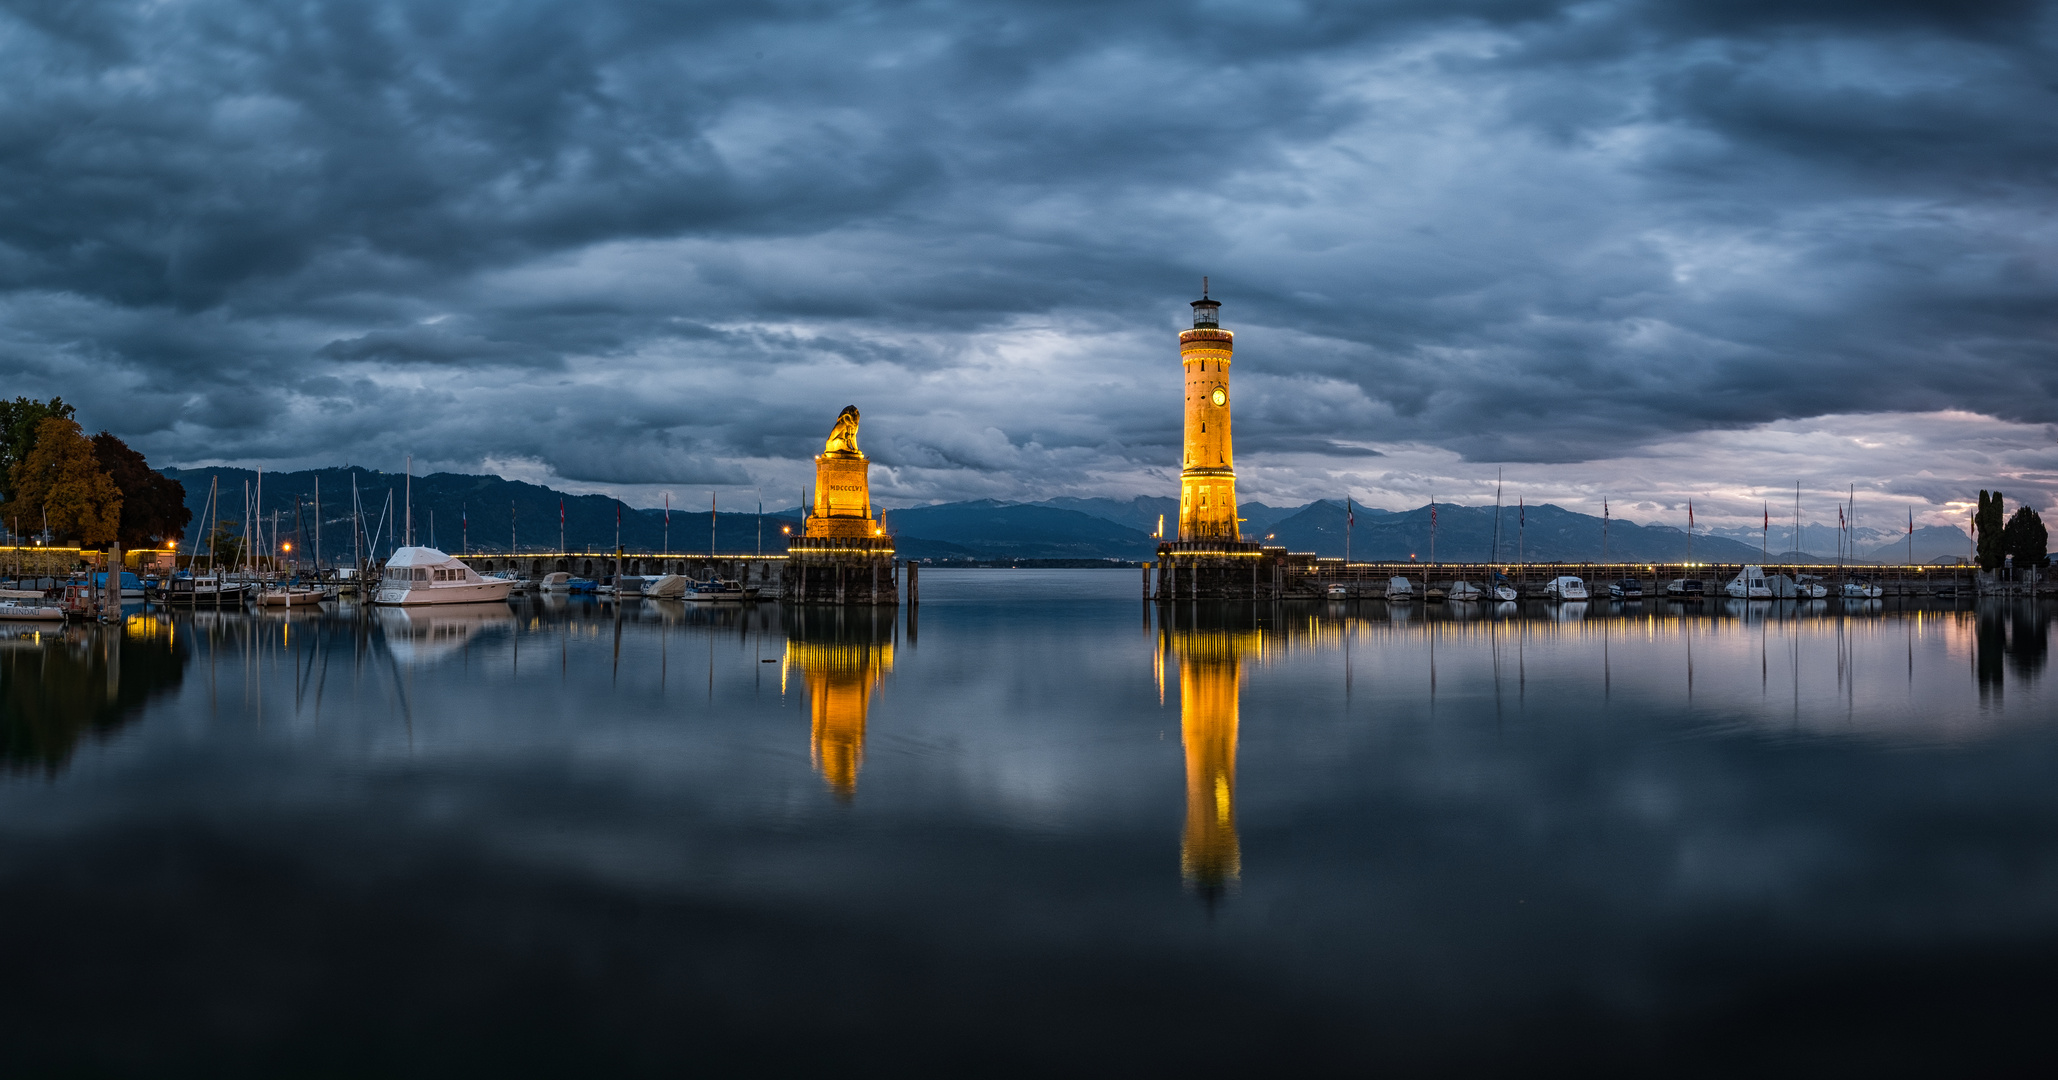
x=153, y=506
x=19, y=420
x=2024, y=537
x=1987, y=526
x=61, y=481
x=225, y=546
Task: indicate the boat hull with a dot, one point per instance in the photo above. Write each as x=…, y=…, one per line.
x=423, y=594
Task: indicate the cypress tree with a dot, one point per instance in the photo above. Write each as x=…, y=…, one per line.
x=1987, y=524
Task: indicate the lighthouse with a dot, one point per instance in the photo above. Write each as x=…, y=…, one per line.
x=1207, y=473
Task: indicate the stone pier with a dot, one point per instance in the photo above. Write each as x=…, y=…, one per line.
x=841, y=570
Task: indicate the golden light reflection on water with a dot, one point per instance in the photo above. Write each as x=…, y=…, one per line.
x=1210, y=687
x=841, y=675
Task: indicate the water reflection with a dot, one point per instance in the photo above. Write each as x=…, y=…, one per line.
x=2012, y=635
x=1210, y=655
x=841, y=656
x=60, y=684
x=422, y=635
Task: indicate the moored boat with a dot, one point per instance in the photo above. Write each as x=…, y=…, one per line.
x=1626, y=589
x=1400, y=590
x=1686, y=589
x=1749, y=584
x=291, y=596
x=1565, y=587
x=202, y=592
x=424, y=575
x=1464, y=591
x=1339, y=591
x=25, y=610
x=718, y=590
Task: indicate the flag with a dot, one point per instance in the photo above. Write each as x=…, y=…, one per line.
x=1350, y=516
x=668, y=509
x=1911, y=521
x=1839, y=517
x=1689, y=515
x=560, y=512
x=1604, y=509
x=1521, y=512
x=1768, y=514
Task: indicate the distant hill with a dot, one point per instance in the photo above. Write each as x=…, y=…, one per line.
x=1016, y=530
x=1931, y=542
x=1816, y=537
x=1142, y=513
x=1066, y=528
x=445, y=502
x=1466, y=534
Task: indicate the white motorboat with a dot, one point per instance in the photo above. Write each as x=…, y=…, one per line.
x=1339, y=591
x=1809, y=587
x=1506, y=594
x=1463, y=590
x=424, y=575
x=30, y=611
x=555, y=582
x=1749, y=584
x=1626, y=589
x=1565, y=587
x=1399, y=590
x=1861, y=590
x=1686, y=588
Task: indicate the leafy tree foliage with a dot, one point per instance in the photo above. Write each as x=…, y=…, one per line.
x=153, y=506
x=225, y=544
x=19, y=420
x=61, y=480
x=2024, y=537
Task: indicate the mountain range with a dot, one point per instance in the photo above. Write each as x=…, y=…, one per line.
x=457, y=511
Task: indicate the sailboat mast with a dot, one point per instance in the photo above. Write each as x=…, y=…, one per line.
x=317, y=522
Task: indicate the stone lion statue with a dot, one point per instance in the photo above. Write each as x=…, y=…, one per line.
x=843, y=437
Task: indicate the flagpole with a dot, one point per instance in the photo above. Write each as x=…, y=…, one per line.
x=1350, y=521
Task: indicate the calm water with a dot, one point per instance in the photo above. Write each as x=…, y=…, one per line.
x=1042, y=826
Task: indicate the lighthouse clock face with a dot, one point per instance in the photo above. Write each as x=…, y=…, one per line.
x=1221, y=397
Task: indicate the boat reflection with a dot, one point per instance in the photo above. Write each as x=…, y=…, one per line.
x=1210, y=656
x=842, y=656
x=58, y=686
x=422, y=635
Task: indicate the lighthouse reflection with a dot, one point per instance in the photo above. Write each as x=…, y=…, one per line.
x=841, y=655
x=1209, y=656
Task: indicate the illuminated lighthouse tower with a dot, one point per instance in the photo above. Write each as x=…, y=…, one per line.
x=1207, y=476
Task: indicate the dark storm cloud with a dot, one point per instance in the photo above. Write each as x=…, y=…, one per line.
x=632, y=243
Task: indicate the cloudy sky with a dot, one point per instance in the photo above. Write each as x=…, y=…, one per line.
x=1642, y=251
